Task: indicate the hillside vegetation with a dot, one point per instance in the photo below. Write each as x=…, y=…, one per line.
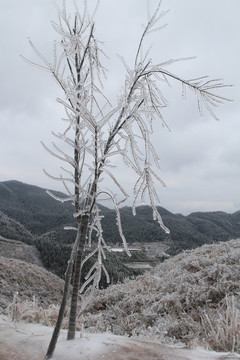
x=25, y=280
x=194, y=295
x=30, y=215
x=33, y=207
x=39, y=213
x=18, y=250
x=192, y=298
x=12, y=229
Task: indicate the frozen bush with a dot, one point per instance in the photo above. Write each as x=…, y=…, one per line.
x=174, y=296
x=223, y=329
x=192, y=298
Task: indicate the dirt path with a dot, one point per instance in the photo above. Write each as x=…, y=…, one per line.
x=29, y=342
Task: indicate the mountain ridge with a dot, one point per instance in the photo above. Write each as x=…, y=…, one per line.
x=39, y=213
x=30, y=208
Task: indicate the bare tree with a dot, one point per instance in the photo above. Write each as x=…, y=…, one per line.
x=96, y=131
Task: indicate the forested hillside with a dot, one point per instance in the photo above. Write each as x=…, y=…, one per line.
x=30, y=215
x=33, y=207
x=12, y=229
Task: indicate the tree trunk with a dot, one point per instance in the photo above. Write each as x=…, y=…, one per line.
x=68, y=275
x=76, y=280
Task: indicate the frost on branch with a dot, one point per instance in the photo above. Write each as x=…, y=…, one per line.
x=97, y=131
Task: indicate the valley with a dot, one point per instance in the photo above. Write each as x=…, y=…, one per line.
x=30, y=215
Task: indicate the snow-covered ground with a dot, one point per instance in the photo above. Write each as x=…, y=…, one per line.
x=24, y=341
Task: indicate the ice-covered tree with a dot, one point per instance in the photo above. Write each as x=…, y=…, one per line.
x=97, y=131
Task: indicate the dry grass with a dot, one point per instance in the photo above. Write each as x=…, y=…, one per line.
x=18, y=250
x=27, y=280
x=223, y=329
x=169, y=302
x=193, y=298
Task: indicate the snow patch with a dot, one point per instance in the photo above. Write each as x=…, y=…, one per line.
x=24, y=341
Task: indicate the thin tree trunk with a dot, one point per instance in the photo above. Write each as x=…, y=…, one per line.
x=76, y=280
x=58, y=325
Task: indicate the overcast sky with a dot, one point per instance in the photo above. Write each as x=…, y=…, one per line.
x=200, y=157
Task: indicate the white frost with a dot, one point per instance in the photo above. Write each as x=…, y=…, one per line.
x=30, y=341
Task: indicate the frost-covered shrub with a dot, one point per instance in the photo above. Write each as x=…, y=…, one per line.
x=223, y=326
x=169, y=301
x=192, y=298
x=33, y=312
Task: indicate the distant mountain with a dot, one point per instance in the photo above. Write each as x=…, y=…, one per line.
x=39, y=213
x=43, y=220
x=43, y=217
x=187, y=232
x=33, y=207
x=216, y=225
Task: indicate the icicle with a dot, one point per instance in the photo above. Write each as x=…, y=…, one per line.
x=70, y=228
x=52, y=153
x=62, y=200
x=106, y=273
x=34, y=64
x=117, y=183
x=121, y=232
x=60, y=178
x=86, y=283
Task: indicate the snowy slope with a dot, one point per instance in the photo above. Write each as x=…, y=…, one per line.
x=191, y=299
x=175, y=301
x=23, y=341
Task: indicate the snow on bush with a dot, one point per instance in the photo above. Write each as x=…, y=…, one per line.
x=171, y=301
x=223, y=331
x=192, y=298
x=32, y=311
